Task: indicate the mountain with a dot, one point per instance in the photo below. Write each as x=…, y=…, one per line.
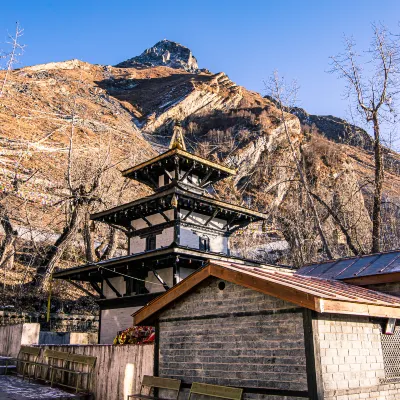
x=164, y=53
x=62, y=124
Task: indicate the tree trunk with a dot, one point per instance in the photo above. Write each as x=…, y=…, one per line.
x=379, y=176
x=7, y=246
x=54, y=254
x=88, y=239
x=112, y=245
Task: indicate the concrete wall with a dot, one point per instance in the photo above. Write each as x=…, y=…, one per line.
x=352, y=360
x=67, y=338
x=119, y=369
x=235, y=337
x=114, y=320
x=13, y=336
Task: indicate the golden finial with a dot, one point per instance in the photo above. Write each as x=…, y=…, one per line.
x=177, y=141
x=174, y=201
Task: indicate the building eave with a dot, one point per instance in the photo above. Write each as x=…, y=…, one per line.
x=320, y=295
x=175, y=189
x=173, y=250
x=181, y=153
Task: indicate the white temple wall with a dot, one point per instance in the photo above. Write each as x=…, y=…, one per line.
x=137, y=245
x=119, y=284
x=190, y=237
x=164, y=239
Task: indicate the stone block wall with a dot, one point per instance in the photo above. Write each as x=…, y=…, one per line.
x=225, y=334
x=389, y=288
x=351, y=359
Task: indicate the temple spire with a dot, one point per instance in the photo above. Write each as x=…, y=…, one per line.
x=177, y=140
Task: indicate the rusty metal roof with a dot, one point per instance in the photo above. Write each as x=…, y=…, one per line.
x=318, y=294
x=323, y=288
x=379, y=267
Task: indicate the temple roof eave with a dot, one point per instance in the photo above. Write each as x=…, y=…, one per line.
x=175, y=189
x=173, y=250
x=180, y=153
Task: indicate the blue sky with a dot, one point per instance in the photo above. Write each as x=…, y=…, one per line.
x=246, y=39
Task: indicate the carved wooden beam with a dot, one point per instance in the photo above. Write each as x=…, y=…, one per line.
x=112, y=287
x=229, y=223
x=214, y=214
x=96, y=287
x=145, y=219
x=165, y=216
x=187, y=215
x=166, y=287
x=169, y=175
x=205, y=180
x=187, y=173
x=81, y=288
x=150, y=178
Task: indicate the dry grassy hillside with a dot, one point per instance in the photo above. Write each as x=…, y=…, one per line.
x=68, y=127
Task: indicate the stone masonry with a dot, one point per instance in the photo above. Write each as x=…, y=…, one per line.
x=351, y=359
x=225, y=334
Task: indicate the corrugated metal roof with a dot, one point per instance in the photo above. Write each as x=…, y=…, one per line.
x=320, y=287
x=355, y=267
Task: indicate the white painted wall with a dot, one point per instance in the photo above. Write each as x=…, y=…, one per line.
x=138, y=245
x=166, y=275
x=190, y=237
x=163, y=239
x=115, y=320
x=119, y=284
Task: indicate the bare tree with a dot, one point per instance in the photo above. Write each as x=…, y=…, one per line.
x=372, y=86
x=284, y=96
x=12, y=56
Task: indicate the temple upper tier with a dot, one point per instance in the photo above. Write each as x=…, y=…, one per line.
x=177, y=164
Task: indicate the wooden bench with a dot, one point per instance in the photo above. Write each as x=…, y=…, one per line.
x=77, y=365
x=27, y=357
x=62, y=364
x=224, y=392
x=154, y=382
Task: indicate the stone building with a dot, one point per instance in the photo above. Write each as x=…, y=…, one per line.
x=170, y=234
x=277, y=333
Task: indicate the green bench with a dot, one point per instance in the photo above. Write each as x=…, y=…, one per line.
x=27, y=356
x=154, y=382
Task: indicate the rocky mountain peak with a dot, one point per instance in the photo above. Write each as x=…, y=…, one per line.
x=164, y=53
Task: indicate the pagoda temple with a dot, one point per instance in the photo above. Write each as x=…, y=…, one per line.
x=170, y=234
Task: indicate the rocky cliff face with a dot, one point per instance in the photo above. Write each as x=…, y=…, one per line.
x=164, y=53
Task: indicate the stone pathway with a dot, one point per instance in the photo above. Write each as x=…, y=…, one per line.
x=14, y=388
